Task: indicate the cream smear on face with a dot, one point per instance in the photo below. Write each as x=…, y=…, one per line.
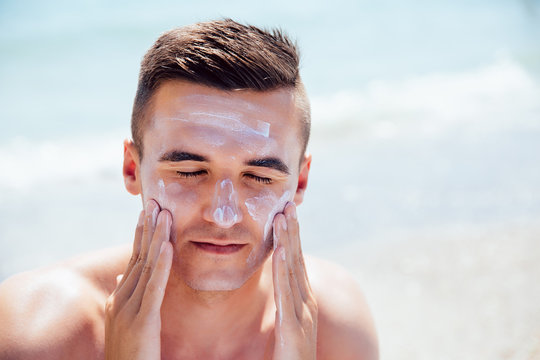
x=168, y=196
x=220, y=112
x=219, y=121
x=225, y=211
x=258, y=208
x=223, y=112
x=263, y=209
x=229, y=125
x=230, y=121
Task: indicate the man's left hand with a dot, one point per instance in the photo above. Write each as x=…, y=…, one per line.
x=296, y=307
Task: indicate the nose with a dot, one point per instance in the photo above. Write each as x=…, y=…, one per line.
x=224, y=211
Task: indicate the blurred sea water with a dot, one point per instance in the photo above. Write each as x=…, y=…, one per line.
x=425, y=180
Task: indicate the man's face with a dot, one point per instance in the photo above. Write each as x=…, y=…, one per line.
x=223, y=163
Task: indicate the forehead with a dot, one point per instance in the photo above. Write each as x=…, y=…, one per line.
x=175, y=96
x=245, y=116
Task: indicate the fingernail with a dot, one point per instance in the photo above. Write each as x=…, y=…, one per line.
x=275, y=240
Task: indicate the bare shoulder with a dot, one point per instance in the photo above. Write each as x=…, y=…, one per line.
x=56, y=312
x=345, y=327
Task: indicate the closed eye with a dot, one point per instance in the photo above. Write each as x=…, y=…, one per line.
x=190, y=174
x=260, y=179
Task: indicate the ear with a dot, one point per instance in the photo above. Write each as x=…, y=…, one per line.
x=131, y=168
x=302, y=179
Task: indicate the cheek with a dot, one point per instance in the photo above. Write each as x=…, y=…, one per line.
x=177, y=199
x=263, y=207
x=180, y=201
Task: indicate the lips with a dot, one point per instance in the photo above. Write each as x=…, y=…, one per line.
x=218, y=248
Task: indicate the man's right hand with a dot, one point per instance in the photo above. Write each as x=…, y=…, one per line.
x=132, y=313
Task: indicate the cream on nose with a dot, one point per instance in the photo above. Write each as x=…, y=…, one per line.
x=225, y=211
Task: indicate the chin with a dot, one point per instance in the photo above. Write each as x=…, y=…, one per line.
x=226, y=277
x=214, y=284
x=216, y=280
x=201, y=272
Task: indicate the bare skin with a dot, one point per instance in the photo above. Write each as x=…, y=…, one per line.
x=196, y=285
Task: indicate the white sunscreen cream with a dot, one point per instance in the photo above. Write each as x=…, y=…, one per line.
x=230, y=122
x=224, y=205
x=263, y=209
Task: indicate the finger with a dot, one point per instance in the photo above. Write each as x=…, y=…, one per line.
x=155, y=289
x=293, y=228
x=297, y=256
x=282, y=290
x=131, y=279
x=281, y=234
x=151, y=214
x=290, y=251
x=126, y=284
x=161, y=235
x=135, y=251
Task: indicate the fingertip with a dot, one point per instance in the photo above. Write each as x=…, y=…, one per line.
x=165, y=216
x=280, y=221
x=278, y=216
x=152, y=209
x=290, y=210
x=279, y=254
x=168, y=217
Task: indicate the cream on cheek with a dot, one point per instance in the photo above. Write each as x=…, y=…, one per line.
x=263, y=208
x=180, y=201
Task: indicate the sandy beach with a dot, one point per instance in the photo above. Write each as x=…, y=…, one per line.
x=470, y=294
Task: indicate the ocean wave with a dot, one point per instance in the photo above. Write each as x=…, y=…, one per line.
x=493, y=98
x=26, y=163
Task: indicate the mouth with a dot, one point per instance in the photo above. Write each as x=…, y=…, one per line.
x=218, y=248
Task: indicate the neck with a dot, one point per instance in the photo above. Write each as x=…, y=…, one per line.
x=222, y=323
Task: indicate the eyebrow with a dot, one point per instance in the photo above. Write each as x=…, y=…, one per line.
x=177, y=156
x=272, y=163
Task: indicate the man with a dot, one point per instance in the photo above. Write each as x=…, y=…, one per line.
x=220, y=126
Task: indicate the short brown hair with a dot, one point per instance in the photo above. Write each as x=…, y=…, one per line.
x=221, y=54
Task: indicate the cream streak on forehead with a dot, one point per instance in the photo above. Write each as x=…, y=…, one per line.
x=229, y=121
x=225, y=112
